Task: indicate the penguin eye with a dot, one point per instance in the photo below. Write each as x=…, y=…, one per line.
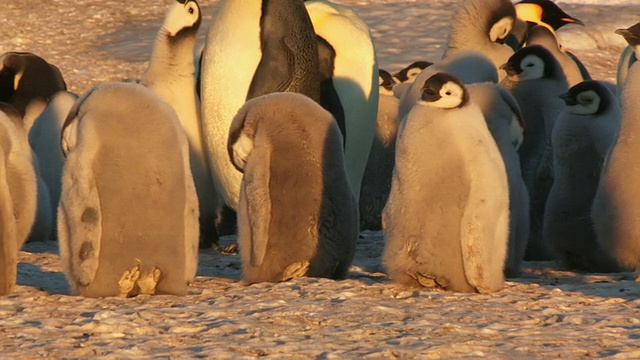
x=529, y=65
x=448, y=93
x=191, y=10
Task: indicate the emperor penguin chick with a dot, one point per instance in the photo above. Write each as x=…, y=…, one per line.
x=582, y=136
x=538, y=83
x=297, y=215
x=615, y=209
x=504, y=120
x=128, y=214
x=482, y=25
x=447, y=219
x=407, y=75
x=376, y=181
x=171, y=76
x=18, y=186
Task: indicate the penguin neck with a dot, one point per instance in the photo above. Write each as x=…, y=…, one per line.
x=174, y=53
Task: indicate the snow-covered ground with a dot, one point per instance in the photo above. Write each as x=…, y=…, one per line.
x=545, y=312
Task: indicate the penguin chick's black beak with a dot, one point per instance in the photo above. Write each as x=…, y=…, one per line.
x=631, y=38
x=429, y=95
x=510, y=69
x=569, y=99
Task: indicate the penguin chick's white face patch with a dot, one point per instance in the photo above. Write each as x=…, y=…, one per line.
x=181, y=16
x=501, y=29
x=241, y=150
x=532, y=68
x=412, y=73
x=588, y=103
x=451, y=96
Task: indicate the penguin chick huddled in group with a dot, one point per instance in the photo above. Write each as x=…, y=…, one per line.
x=582, y=136
x=171, y=75
x=447, y=219
x=25, y=77
x=482, y=25
x=128, y=213
x=615, y=211
x=376, y=181
x=504, y=121
x=18, y=202
x=538, y=83
x=405, y=76
x=297, y=215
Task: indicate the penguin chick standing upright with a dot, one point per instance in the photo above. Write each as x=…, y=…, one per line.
x=376, y=181
x=297, y=215
x=538, y=83
x=582, y=136
x=482, y=25
x=615, y=211
x=18, y=186
x=447, y=219
x=128, y=214
x=25, y=76
x=171, y=76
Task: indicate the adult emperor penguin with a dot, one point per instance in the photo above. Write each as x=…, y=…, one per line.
x=355, y=78
x=482, y=25
x=252, y=49
x=469, y=66
x=542, y=12
x=18, y=203
x=538, y=83
x=128, y=215
x=297, y=215
x=405, y=77
x=446, y=222
x=44, y=138
x=171, y=76
x=25, y=76
x=615, y=212
x=504, y=121
x=376, y=182
x=582, y=136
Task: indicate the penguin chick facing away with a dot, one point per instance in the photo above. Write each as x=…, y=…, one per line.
x=582, y=136
x=171, y=76
x=376, y=181
x=128, y=214
x=18, y=186
x=297, y=215
x=615, y=209
x=447, y=219
x=25, y=76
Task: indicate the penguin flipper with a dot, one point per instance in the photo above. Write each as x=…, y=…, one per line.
x=80, y=220
x=256, y=188
x=274, y=72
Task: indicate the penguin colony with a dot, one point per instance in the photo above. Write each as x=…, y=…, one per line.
x=502, y=151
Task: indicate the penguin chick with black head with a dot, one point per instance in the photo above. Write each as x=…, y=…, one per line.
x=376, y=181
x=582, y=136
x=405, y=77
x=538, y=82
x=447, y=218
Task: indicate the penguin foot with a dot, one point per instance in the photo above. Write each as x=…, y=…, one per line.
x=149, y=282
x=424, y=280
x=128, y=281
x=229, y=249
x=294, y=270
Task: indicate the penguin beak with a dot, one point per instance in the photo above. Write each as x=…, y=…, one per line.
x=571, y=20
x=510, y=69
x=569, y=100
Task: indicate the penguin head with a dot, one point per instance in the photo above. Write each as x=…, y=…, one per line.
x=444, y=91
x=183, y=16
x=632, y=36
x=500, y=21
x=12, y=67
x=544, y=12
x=410, y=72
x=386, y=82
x=530, y=62
x=587, y=98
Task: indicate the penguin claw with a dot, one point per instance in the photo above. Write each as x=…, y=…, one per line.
x=149, y=282
x=294, y=270
x=128, y=280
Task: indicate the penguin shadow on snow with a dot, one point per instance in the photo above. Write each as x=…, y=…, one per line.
x=52, y=282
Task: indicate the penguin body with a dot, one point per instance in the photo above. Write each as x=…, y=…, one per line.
x=128, y=214
x=297, y=215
